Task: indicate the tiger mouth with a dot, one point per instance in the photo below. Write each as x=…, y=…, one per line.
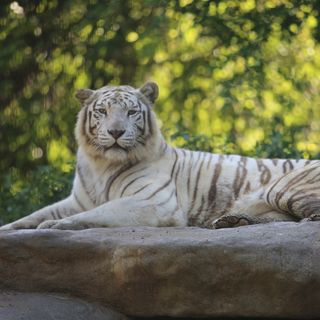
x=115, y=146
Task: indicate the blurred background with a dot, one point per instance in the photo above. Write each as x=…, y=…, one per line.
x=235, y=76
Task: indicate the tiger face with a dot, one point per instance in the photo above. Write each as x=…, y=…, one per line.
x=117, y=122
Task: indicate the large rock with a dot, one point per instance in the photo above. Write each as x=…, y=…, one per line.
x=270, y=270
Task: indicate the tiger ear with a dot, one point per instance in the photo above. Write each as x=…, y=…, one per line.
x=150, y=90
x=83, y=94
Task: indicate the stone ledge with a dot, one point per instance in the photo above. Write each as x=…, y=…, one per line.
x=270, y=270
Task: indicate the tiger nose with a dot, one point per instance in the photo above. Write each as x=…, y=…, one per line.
x=116, y=133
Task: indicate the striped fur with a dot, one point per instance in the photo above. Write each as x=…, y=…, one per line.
x=127, y=175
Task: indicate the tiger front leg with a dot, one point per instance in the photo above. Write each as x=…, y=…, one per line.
x=52, y=212
x=128, y=211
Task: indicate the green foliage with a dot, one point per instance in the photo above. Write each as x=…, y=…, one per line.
x=184, y=139
x=45, y=185
x=234, y=76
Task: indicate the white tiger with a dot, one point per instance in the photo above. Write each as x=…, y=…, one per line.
x=127, y=175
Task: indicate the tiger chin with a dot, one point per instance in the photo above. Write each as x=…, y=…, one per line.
x=127, y=175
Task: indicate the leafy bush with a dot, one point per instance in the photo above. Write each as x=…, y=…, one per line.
x=275, y=145
x=20, y=196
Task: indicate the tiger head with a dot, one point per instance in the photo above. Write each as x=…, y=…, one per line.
x=117, y=122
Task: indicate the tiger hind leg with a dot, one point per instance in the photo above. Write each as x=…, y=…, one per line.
x=297, y=193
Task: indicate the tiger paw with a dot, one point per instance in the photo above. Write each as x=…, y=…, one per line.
x=48, y=224
x=231, y=221
x=313, y=217
x=25, y=224
x=63, y=224
x=9, y=226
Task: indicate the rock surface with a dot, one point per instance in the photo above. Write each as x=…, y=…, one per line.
x=35, y=306
x=270, y=270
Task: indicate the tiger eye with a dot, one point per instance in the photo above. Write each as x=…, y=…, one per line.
x=132, y=112
x=102, y=111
